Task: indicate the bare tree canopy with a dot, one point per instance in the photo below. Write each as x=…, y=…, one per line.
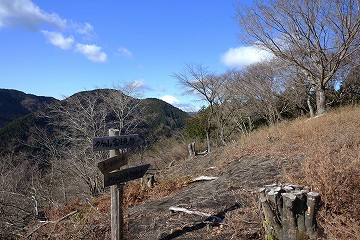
x=316, y=36
x=199, y=80
x=259, y=88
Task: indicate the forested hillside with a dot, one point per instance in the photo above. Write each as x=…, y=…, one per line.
x=46, y=154
x=14, y=104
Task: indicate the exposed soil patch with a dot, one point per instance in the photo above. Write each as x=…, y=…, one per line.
x=230, y=199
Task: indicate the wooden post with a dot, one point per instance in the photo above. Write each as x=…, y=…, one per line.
x=116, y=191
x=289, y=211
x=114, y=176
x=300, y=208
x=270, y=223
x=289, y=230
x=191, y=149
x=313, y=200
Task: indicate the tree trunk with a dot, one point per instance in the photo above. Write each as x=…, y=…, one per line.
x=208, y=140
x=208, y=129
x=63, y=189
x=250, y=124
x=221, y=134
x=320, y=101
x=311, y=109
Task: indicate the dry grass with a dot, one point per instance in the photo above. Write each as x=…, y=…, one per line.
x=135, y=193
x=325, y=154
x=322, y=152
x=92, y=216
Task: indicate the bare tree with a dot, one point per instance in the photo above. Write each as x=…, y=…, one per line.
x=258, y=87
x=350, y=87
x=199, y=80
x=316, y=36
x=52, y=185
x=80, y=118
x=77, y=120
x=297, y=91
x=16, y=205
x=127, y=107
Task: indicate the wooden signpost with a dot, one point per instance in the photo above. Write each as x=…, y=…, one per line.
x=114, y=177
x=115, y=142
x=125, y=175
x=113, y=163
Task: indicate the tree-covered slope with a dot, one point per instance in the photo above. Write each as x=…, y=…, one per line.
x=15, y=104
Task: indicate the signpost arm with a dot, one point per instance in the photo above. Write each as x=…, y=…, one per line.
x=116, y=191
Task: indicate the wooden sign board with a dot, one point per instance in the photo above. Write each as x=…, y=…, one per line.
x=112, y=163
x=125, y=175
x=115, y=142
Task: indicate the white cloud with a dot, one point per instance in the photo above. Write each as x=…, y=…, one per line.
x=83, y=28
x=187, y=107
x=92, y=52
x=24, y=13
x=57, y=39
x=138, y=84
x=243, y=56
x=124, y=52
x=170, y=99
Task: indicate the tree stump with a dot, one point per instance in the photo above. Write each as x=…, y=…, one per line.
x=289, y=212
x=191, y=149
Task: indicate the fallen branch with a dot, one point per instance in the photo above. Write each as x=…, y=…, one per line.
x=210, y=218
x=180, y=209
x=47, y=222
x=209, y=168
x=204, y=153
x=94, y=208
x=203, y=178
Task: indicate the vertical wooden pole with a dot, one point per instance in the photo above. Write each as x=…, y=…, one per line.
x=289, y=222
x=271, y=225
x=313, y=200
x=300, y=208
x=116, y=191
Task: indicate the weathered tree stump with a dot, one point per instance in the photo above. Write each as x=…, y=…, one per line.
x=289, y=212
x=191, y=149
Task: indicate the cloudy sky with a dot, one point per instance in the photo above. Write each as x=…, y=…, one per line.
x=58, y=48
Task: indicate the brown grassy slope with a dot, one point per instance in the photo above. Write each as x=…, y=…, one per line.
x=322, y=152
x=325, y=155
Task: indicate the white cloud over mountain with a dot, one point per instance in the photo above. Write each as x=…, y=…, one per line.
x=170, y=99
x=186, y=107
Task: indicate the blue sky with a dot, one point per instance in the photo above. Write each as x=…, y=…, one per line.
x=58, y=48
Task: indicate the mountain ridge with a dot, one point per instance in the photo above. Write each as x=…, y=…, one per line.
x=19, y=113
x=15, y=103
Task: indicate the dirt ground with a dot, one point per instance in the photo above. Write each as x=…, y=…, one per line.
x=230, y=200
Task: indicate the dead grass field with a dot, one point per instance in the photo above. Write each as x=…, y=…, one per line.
x=325, y=155
x=322, y=152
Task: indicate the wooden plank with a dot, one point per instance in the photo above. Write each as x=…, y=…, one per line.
x=115, y=142
x=125, y=175
x=112, y=163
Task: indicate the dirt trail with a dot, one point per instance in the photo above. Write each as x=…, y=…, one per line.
x=229, y=199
